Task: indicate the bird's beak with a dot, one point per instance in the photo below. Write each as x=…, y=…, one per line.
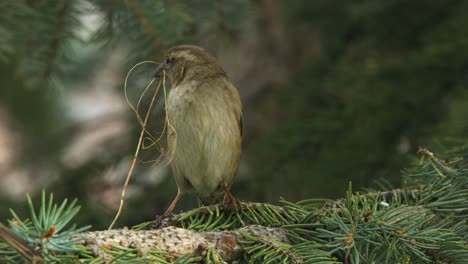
x=159, y=70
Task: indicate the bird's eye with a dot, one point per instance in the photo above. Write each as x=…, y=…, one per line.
x=168, y=61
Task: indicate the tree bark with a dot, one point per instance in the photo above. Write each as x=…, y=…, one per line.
x=178, y=241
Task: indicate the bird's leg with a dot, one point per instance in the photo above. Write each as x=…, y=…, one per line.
x=169, y=210
x=172, y=205
x=230, y=199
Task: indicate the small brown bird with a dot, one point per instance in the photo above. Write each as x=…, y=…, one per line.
x=205, y=111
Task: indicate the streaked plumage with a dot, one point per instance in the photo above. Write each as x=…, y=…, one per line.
x=204, y=108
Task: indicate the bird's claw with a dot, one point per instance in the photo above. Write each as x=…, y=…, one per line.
x=161, y=221
x=230, y=201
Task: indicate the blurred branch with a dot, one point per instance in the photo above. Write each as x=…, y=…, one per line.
x=57, y=140
x=110, y=14
x=56, y=37
x=144, y=22
x=221, y=18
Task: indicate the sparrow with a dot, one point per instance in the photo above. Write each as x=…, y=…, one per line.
x=204, y=119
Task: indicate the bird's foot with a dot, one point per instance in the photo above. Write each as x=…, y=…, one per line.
x=230, y=201
x=164, y=219
x=158, y=222
x=233, y=203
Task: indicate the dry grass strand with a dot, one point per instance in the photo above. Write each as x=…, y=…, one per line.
x=135, y=157
x=167, y=125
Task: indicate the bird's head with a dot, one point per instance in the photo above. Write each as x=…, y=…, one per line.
x=186, y=62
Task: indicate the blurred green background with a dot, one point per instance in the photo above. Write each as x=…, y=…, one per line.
x=333, y=91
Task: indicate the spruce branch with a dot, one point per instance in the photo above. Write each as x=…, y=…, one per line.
x=214, y=217
x=415, y=224
x=46, y=232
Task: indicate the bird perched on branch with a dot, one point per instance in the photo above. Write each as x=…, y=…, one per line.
x=204, y=115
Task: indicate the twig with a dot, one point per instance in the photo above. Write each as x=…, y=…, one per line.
x=29, y=254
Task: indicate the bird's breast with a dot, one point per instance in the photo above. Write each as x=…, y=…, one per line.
x=207, y=136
